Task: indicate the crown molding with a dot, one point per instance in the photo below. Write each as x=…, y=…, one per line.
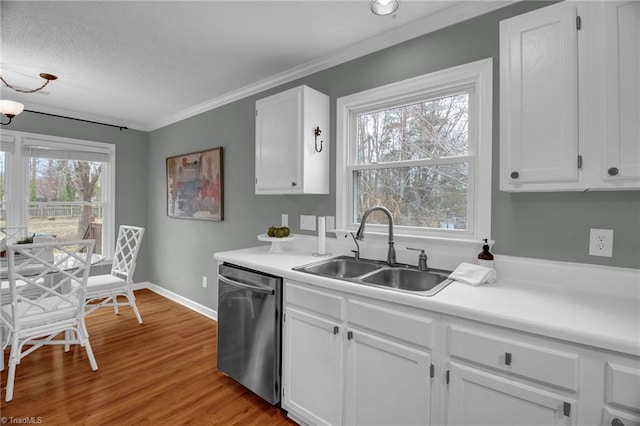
x=457, y=13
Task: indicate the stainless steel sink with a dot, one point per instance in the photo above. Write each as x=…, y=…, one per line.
x=341, y=268
x=406, y=279
x=377, y=273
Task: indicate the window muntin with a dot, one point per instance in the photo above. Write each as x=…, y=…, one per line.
x=426, y=143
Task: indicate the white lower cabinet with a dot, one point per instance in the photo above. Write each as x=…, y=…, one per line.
x=313, y=385
x=388, y=383
x=478, y=397
x=621, y=391
x=353, y=361
x=350, y=360
x=497, y=376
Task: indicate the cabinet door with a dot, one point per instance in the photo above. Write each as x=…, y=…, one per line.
x=313, y=367
x=480, y=398
x=539, y=97
x=278, y=121
x=621, y=61
x=387, y=383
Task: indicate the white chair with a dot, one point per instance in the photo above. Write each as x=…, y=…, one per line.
x=50, y=301
x=11, y=234
x=103, y=290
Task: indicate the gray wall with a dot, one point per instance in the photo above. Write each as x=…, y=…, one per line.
x=131, y=166
x=178, y=252
x=546, y=226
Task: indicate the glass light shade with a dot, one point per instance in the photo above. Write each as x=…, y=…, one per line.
x=384, y=7
x=10, y=108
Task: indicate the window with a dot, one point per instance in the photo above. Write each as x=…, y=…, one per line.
x=58, y=186
x=422, y=149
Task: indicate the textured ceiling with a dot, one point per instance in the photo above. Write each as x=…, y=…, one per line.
x=147, y=64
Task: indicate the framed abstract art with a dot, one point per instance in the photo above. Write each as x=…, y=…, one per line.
x=194, y=185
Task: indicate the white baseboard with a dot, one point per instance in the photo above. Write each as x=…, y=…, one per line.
x=194, y=306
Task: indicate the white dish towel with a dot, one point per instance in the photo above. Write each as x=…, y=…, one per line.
x=471, y=274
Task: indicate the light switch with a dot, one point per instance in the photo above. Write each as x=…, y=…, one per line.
x=307, y=222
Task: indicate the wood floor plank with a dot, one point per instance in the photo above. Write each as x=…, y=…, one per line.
x=162, y=372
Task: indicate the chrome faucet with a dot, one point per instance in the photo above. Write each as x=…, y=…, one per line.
x=391, y=254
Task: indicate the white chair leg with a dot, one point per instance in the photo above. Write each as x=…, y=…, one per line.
x=114, y=298
x=84, y=340
x=85, y=332
x=67, y=338
x=132, y=301
x=13, y=362
x=2, y=346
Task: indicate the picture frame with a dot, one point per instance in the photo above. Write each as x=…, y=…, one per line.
x=195, y=185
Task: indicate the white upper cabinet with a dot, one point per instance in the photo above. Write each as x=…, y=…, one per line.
x=621, y=62
x=290, y=157
x=569, y=98
x=539, y=96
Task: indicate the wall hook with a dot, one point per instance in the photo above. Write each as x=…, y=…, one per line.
x=317, y=132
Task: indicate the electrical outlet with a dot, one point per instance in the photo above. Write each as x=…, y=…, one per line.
x=204, y=282
x=601, y=242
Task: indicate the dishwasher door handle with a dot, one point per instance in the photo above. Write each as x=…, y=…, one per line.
x=258, y=289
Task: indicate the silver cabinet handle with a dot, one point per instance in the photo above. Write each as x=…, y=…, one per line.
x=613, y=171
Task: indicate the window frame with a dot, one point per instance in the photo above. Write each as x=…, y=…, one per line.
x=475, y=76
x=17, y=172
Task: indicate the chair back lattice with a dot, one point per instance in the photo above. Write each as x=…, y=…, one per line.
x=11, y=234
x=53, y=280
x=127, y=247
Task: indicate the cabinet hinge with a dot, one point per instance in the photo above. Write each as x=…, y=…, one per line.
x=566, y=409
x=447, y=377
x=284, y=317
x=432, y=371
x=578, y=22
x=579, y=162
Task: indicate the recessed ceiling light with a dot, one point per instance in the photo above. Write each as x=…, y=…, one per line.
x=384, y=7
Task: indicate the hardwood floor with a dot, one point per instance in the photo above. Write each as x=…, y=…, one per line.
x=159, y=373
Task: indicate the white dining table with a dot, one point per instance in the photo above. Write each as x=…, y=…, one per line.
x=70, y=264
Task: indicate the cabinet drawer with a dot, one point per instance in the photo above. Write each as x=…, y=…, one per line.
x=622, y=386
x=520, y=355
x=619, y=418
x=400, y=325
x=321, y=302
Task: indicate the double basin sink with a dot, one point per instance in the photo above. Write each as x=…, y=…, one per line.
x=377, y=273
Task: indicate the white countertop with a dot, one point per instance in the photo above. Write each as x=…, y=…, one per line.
x=591, y=305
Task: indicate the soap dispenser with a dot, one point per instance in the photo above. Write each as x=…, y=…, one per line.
x=485, y=258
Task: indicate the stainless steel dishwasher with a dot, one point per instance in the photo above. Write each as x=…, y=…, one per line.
x=250, y=329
